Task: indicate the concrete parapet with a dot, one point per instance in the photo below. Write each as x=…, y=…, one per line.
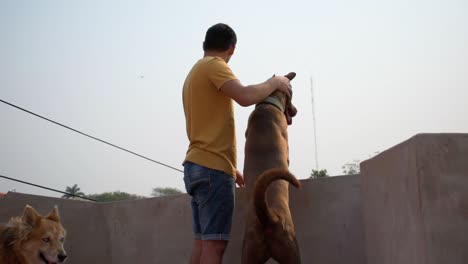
x=415, y=201
x=409, y=206
x=326, y=212
x=154, y=230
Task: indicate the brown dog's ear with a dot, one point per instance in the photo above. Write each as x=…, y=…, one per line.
x=54, y=215
x=291, y=111
x=290, y=75
x=30, y=216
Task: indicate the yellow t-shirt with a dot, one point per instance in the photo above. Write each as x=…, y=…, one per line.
x=209, y=116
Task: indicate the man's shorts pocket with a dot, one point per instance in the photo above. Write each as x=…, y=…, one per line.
x=197, y=181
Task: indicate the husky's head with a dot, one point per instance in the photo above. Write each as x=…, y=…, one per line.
x=42, y=237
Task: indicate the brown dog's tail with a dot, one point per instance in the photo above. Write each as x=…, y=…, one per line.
x=264, y=213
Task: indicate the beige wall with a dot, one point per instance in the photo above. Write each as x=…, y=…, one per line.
x=416, y=201
x=413, y=210
x=327, y=215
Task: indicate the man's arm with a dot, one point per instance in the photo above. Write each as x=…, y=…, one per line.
x=252, y=94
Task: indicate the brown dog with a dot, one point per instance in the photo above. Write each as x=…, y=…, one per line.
x=32, y=239
x=269, y=231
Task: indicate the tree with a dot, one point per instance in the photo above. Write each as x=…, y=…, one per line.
x=160, y=191
x=72, y=192
x=318, y=174
x=114, y=196
x=351, y=168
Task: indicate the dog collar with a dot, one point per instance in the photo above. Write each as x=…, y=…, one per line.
x=273, y=101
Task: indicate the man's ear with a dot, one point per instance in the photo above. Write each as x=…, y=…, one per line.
x=231, y=50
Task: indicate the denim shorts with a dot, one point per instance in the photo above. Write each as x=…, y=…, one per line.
x=213, y=199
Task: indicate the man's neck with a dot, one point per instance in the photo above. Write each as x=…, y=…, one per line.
x=223, y=55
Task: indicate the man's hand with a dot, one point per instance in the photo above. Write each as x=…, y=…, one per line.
x=240, y=179
x=283, y=84
x=253, y=94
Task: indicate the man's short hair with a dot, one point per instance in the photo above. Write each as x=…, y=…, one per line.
x=219, y=37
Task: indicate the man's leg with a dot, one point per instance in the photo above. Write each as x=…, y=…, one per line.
x=213, y=195
x=212, y=251
x=217, y=218
x=196, y=252
x=196, y=184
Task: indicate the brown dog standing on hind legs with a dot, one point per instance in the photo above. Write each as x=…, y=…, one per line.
x=32, y=239
x=269, y=230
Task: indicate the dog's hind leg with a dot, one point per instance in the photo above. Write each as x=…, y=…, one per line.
x=254, y=253
x=288, y=252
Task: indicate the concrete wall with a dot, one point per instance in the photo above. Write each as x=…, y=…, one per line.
x=327, y=214
x=409, y=206
x=155, y=230
x=416, y=201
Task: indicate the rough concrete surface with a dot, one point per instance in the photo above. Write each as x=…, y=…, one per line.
x=409, y=206
x=327, y=215
x=415, y=201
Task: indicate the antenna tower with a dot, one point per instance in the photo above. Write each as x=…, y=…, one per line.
x=313, y=118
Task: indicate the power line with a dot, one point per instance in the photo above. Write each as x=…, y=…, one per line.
x=87, y=135
x=47, y=188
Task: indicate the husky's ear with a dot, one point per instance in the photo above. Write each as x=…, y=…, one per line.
x=30, y=216
x=54, y=215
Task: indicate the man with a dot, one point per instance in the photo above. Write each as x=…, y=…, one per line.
x=210, y=172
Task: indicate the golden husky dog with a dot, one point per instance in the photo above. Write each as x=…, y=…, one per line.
x=32, y=239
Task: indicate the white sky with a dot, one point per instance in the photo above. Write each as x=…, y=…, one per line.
x=383, y=71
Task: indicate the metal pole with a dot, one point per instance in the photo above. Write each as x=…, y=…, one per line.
x=313, y=118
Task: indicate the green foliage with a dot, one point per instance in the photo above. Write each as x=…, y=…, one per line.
x=114, y=196
x=74, y=190
x=352, y=168
x=318, y=174
x=160, y=191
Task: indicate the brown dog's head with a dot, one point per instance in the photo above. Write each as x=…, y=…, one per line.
x=43, y=241
x=289, y=109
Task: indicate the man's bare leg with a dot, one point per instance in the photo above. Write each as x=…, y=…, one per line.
x=212, y=251
x=196, y=252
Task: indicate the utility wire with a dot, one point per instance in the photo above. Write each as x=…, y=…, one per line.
x=95, y=138
x=47, y=188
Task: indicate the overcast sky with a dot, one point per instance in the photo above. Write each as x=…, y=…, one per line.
x=382, y=72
